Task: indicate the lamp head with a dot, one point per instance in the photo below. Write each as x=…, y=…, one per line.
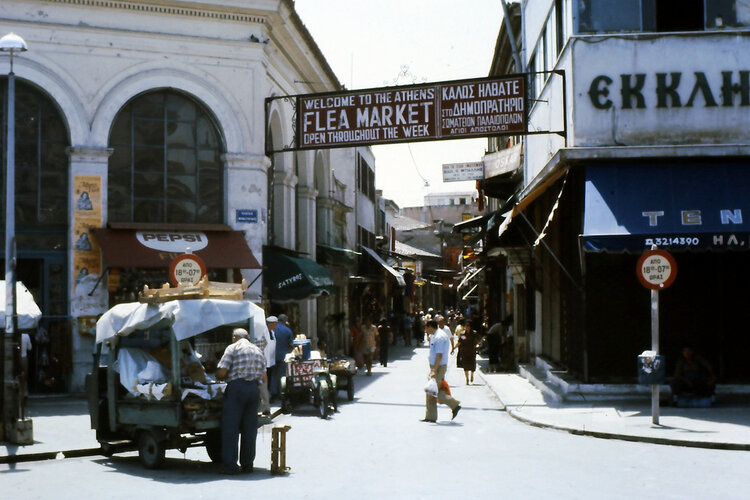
x=12, y=42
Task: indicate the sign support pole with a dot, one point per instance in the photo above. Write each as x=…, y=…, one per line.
x=655, y=348
x=656, y=270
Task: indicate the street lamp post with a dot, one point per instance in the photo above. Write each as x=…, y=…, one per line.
x=14, y=428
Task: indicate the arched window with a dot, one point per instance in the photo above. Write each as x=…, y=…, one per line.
x=166, y=165
x=41, y=169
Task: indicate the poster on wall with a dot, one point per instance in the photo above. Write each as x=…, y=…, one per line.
x=87, y=214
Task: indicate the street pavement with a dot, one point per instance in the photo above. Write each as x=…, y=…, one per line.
x=376, y=447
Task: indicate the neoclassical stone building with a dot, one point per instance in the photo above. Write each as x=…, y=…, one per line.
x=140, y=133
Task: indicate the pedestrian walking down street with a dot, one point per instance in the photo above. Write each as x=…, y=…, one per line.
x=284, y=345
x=369, y=338
x=355, y=331
x=467, y=345
x=243, y=366
x=439, y=349
x=494, y=343
x=385, y=336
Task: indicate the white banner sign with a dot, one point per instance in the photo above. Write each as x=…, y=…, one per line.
x=502, y=162
x=455, y=172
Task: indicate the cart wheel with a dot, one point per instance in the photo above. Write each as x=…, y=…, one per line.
x=286, y=405
x=213, y=445
x=323, y=399
x=334, y=395
x=350, y=388
x=150, y=450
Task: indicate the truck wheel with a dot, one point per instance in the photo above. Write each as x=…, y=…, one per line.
x=150, y=450
x=213, y=445
x=350, y=388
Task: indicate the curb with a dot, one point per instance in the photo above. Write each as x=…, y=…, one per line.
x=77, y=453
x=630, y=437
x=610, y=435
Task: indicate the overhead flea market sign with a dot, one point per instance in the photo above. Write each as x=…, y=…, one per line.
x=448, y=110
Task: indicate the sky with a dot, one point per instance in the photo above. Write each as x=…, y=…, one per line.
x=400, y=42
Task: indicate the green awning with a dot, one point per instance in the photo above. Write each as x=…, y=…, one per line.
x=335, y=256
x=295, y=278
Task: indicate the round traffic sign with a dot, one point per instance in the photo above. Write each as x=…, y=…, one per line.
x=186, y=270
x=656, y=269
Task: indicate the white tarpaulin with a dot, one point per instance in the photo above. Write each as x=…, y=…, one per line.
x=188, y=317
x=26, y=309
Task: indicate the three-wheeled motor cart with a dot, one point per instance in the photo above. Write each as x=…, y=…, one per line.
x=344, y=368
x=149, y=388
x=308, y=381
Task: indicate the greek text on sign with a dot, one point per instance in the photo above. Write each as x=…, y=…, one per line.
x=450, y=110
x=656, y=269
x=172, y=241
x=454, y=172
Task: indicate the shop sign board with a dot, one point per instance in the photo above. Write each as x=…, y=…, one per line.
x=186, y=270
x=448, y=110
x=502, y=162
x=456, y=172
x=656, y=269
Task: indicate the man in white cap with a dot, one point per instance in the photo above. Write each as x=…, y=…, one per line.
x=243, y=366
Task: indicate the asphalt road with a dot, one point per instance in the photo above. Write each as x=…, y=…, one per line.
x=376, y=447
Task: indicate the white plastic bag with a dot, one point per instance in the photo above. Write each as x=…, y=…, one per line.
x=154, y=372
x=431, y=387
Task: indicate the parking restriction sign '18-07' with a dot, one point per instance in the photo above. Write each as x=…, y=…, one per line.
x=186, y=270
x=656, y=269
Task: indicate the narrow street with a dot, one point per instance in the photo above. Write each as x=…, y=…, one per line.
x=376, y=447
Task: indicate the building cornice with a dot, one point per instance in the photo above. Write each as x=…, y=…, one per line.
x=169, y=9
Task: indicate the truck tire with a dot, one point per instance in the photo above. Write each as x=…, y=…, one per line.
x=213, y=445
x=150, y=450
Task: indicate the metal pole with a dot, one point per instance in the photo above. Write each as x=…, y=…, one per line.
x=511, y=37
x=655, y=348
x=10, y=399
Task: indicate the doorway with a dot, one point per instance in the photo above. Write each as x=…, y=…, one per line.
x=50, y=360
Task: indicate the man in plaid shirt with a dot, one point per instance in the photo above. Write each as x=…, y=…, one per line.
x=243, y=366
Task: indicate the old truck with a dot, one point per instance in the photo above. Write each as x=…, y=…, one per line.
x=151, y=386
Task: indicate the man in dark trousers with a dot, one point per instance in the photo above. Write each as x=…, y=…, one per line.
x=284, y=344
x=243, y=366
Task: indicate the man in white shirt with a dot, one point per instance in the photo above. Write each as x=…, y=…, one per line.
x=439, y=354
x=442, y=326
x=267, y=343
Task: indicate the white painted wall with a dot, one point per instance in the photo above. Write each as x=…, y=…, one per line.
x=709, y=54
x=92, y=57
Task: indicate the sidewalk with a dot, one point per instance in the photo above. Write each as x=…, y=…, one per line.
x=61, y=429
x=725, y=426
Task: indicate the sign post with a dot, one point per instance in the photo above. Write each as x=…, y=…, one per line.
x=656, y=270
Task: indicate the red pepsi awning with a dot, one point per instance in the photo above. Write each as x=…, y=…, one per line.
x=155, y=248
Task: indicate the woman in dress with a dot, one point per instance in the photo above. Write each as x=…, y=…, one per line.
x=467, y=344
x=369, y=341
